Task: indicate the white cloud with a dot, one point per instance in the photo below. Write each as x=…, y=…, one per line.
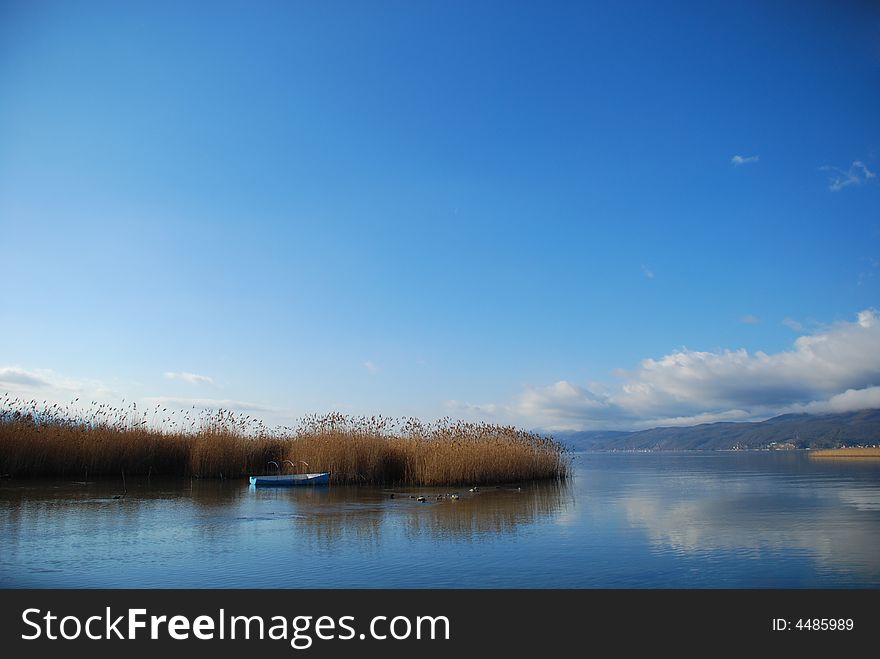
x=793, y=324
x=371, y=367
x=744, y=160
x=562, y=400
x=833, y=369
x=850, y=400
x=191, y=378
x=846, y=355
x=857, y=174
x=649, y=274
x=473, y=409
x=46, y=384
x=11, y=376
x=750, y=319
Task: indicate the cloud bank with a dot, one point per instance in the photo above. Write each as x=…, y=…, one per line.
x=836, y=369
x=12, y=376
x=46, y=384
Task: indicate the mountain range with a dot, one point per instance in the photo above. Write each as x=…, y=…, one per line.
x=787, y=431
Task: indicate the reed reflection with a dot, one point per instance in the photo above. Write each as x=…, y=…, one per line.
x=328, y=515
x=488, y=512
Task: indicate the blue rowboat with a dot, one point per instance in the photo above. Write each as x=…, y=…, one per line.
x=291, y=480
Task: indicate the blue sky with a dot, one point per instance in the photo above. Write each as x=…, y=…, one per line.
x=563, y=215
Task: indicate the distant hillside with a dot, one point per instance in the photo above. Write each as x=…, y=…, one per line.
x=787, y=431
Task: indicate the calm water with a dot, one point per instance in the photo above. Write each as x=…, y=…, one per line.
x=626, y=520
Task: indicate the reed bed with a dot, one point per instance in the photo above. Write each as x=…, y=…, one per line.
x=872, y=452
x=37, y=439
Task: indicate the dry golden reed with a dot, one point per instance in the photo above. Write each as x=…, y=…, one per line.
x=37, y=439
x=870, y=452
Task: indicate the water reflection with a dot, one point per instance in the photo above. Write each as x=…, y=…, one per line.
x=789, y=505
x=327, y=515
x=316, y=516
x=647, y=520
x=488, y=512
x=703, y=526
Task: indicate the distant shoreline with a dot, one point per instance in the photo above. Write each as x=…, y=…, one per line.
x=866, y=452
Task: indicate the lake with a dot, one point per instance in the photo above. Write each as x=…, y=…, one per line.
x=639, y=520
